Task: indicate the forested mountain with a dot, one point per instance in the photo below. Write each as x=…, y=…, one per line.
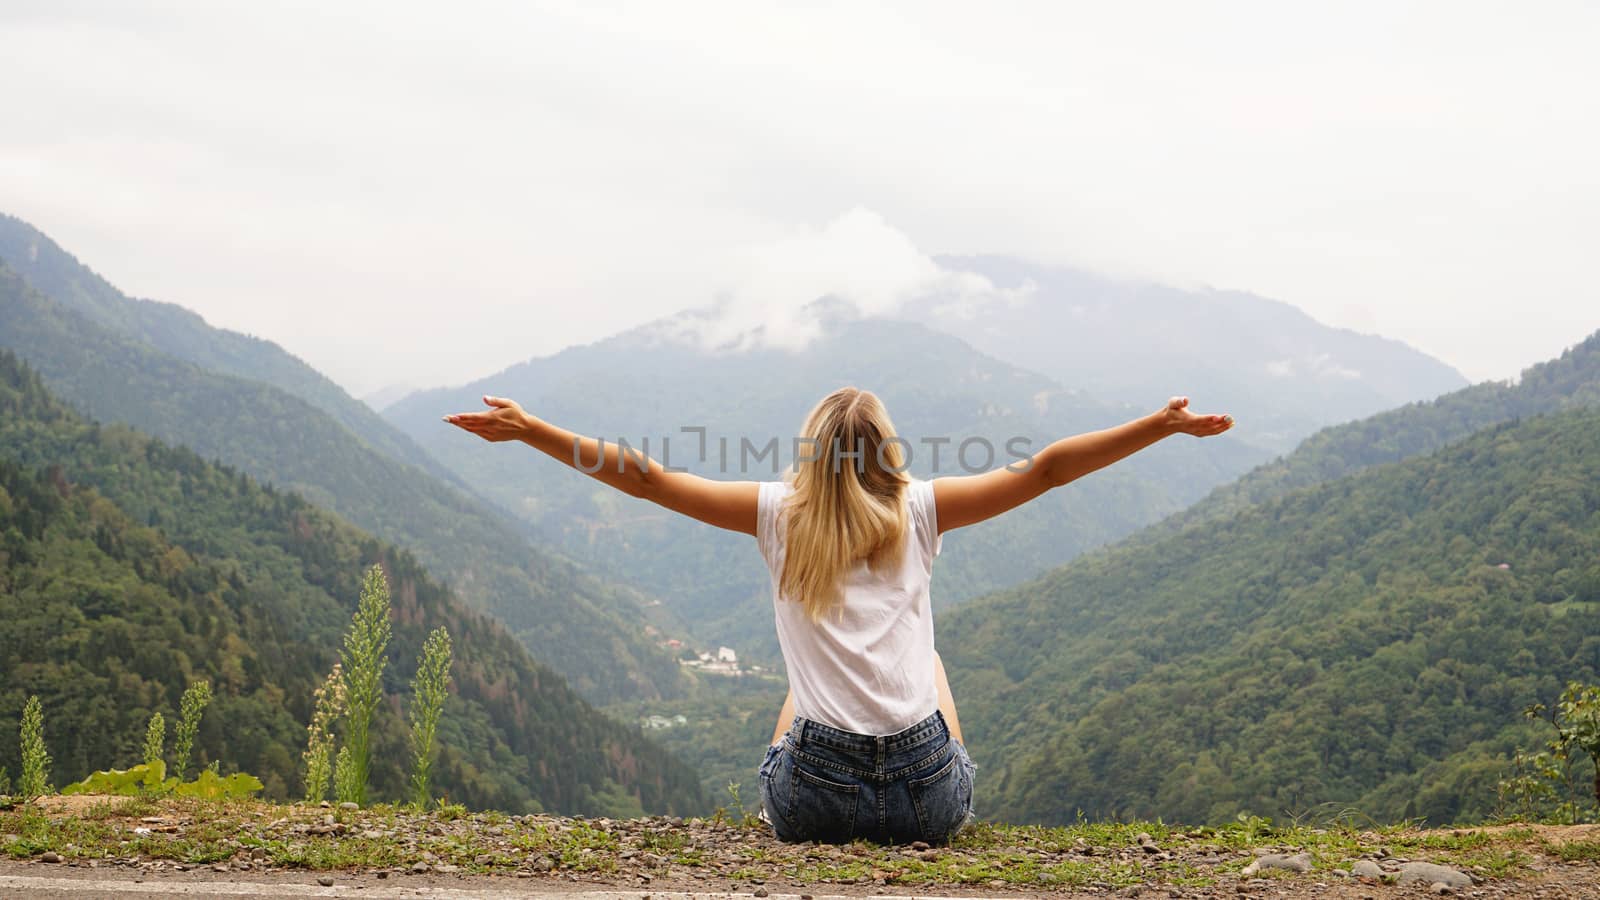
x=1369, y=642
x=584, y=627
x=650, y=383
x=1279, y=372
x=1571, y=381
x=182, y=334
x=129, y=568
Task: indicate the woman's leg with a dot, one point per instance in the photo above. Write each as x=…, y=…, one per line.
x=947, y=705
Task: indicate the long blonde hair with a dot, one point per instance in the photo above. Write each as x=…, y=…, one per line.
x=848, y=499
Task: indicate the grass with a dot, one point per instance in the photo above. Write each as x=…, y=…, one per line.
x=1088, y=854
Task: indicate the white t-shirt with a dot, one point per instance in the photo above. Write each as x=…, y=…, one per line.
x=868, y=666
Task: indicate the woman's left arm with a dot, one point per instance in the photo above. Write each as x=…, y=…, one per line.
x=725, y=504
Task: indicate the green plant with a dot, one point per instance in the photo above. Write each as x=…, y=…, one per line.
x=155, y=738
x=429, y=690
x=5, y=782
x=191, y=708
x=327, y=708
x=129, y=782
x=363, y=663
x=345, y=788
x=1543, y=785
x=35, y=759
x=209, y=785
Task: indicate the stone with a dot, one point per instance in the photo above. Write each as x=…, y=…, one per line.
x=1366, y=868
x=1442, y=889
x=50, y=856
x=1430, y=873
x=419, y=867
x=1300, y=862
x=325, y=881
x=761, y=892
x=349, y=805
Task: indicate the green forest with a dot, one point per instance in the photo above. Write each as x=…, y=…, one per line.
x=1367, y=644
x=149, y=365
x=129, y=568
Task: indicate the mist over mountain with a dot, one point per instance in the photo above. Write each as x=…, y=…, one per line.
x=1278, y=371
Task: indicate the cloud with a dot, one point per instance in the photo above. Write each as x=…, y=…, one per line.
x=770, y=299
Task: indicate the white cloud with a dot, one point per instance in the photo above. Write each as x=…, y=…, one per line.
x=425, y=192
x=858, y=258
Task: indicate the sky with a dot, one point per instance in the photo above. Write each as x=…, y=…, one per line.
x=424, y=193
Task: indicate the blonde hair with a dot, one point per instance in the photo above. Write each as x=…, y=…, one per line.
x=848, y=499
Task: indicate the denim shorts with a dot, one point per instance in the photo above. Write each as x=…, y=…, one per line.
x=823, y=784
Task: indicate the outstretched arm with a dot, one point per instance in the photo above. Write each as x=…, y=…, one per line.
x=725, y=504
x=970, y=499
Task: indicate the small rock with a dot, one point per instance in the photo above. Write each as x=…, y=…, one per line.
x=325, y=881
x=1428, y=873
x=919, y=845
x=383, y=873
x=761, y=892
x=50, y=856
x=446, y=868
x=1366, y=868
x=349, y=804
x=419, y=867
x=1300, y=862
x=1442, y=889
x=997, y=884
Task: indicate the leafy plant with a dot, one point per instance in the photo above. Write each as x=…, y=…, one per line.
x=5, y=782
x=327, y=708
x=1544, y=784
x=208, y=785
x=191, y=707
x=344, y=777
x=143, y=778
x=428, y=694
x=363, y=662
x=35, y=759
x=155, y=737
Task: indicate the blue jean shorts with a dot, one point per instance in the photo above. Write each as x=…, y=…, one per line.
x=823, y=784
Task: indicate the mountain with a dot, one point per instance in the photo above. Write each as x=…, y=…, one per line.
x=584, y=627
x=1279, y=372
x=387, y=396
x=1571, y=381
x=129, y=568
x=183, y=335
x=651, y=382
x=1366, y=643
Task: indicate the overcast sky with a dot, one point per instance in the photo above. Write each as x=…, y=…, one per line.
x=427, y=192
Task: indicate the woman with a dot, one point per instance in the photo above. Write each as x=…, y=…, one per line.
x=868, y=744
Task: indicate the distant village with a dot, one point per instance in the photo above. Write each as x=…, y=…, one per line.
x=724, y=662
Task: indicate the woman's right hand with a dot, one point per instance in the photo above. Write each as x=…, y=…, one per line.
x=504, y=420
x=1179, y=418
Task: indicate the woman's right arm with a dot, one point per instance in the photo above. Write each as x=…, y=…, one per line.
x=970, y=499
x=725, y=504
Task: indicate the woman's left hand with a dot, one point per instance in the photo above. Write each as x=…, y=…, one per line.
x=504, y=420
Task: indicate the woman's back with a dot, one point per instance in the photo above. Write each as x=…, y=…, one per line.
x=867, y=666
